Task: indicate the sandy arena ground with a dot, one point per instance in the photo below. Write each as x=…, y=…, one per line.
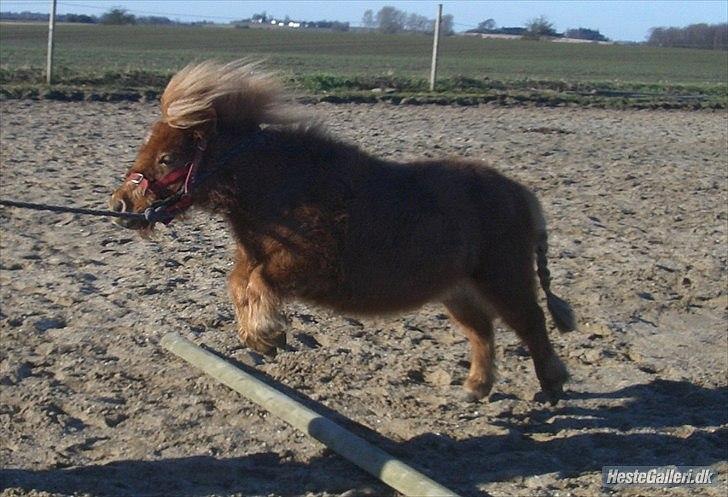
x=91, y=405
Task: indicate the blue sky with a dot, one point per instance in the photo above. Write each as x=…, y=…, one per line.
x=617, y=19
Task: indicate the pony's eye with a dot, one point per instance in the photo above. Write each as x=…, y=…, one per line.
x=165, y=160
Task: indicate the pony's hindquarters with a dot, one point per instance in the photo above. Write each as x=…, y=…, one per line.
x=469, y=310
x=506, y=276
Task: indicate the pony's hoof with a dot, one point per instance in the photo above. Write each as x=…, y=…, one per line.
x=262, y=348
x=475, y=392
x=551, y=396
x=468, y=396
x=552, y=379
x=265, y=343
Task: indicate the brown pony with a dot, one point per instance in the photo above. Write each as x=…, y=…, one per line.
x=320, y=220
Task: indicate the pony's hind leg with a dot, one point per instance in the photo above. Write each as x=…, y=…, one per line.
x=261, y=324
x=514, y=298
x=468, y=309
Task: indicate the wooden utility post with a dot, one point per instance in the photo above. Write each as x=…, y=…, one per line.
x=435, y=43
x=51, y=26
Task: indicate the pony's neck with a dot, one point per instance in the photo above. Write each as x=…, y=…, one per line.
x=277, y=165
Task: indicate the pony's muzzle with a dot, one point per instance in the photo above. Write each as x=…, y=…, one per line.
x=120, y=205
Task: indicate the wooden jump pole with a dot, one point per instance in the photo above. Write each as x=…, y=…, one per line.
x=375, y=461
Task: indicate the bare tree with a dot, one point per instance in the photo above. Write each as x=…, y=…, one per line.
x=390, y=20
x=447, y=25
x=487, y=25
x=416, y=22
x=262, y=17
x=367, y=19
x=118, y=15
x=539, y=27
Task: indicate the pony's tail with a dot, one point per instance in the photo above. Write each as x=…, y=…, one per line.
x=560, y=310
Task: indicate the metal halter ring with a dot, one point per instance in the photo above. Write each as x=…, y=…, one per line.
x=136, y=178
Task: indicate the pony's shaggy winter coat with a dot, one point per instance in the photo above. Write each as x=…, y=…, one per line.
x=320, y=220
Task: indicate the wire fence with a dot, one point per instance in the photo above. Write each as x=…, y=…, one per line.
x=323, y=61
x=63, y=10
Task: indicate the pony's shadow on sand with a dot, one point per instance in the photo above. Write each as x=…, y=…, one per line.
x=196, y=476
x=657, y=423
x=462, y=465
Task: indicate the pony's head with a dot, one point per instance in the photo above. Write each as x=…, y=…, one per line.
x=201, y=102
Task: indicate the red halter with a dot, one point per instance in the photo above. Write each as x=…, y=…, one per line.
x=160, y=186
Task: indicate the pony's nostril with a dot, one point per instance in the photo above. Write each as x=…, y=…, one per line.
x=120, y=206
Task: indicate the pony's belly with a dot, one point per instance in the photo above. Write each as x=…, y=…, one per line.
x=375, y=297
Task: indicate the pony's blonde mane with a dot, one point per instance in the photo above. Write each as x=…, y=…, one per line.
x=235, y=94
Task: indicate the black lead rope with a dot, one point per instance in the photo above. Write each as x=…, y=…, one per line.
x=156, y=212
x=74, y=210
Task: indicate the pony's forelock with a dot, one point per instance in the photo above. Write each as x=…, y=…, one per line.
x=233, y=94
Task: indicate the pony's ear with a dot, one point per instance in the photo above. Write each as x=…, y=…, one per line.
x=203, y=133
x=148, y=136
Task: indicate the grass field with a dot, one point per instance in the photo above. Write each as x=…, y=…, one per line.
x=144, y=56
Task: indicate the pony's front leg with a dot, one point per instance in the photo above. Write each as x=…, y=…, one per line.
x=261, y=324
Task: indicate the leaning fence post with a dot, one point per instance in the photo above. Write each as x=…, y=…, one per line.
x=51, y=28
x=391, y=471
x=435, y=43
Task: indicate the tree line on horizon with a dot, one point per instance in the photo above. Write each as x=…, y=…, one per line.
x=115, y=16
x=118, y=16
x=713, y=36
x=392, y=21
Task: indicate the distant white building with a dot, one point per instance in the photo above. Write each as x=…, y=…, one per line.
x=495, y=36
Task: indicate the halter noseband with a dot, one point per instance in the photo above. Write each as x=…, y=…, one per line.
x=170, y=203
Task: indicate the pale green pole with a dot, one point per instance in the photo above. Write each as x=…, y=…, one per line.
x=375, y=461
